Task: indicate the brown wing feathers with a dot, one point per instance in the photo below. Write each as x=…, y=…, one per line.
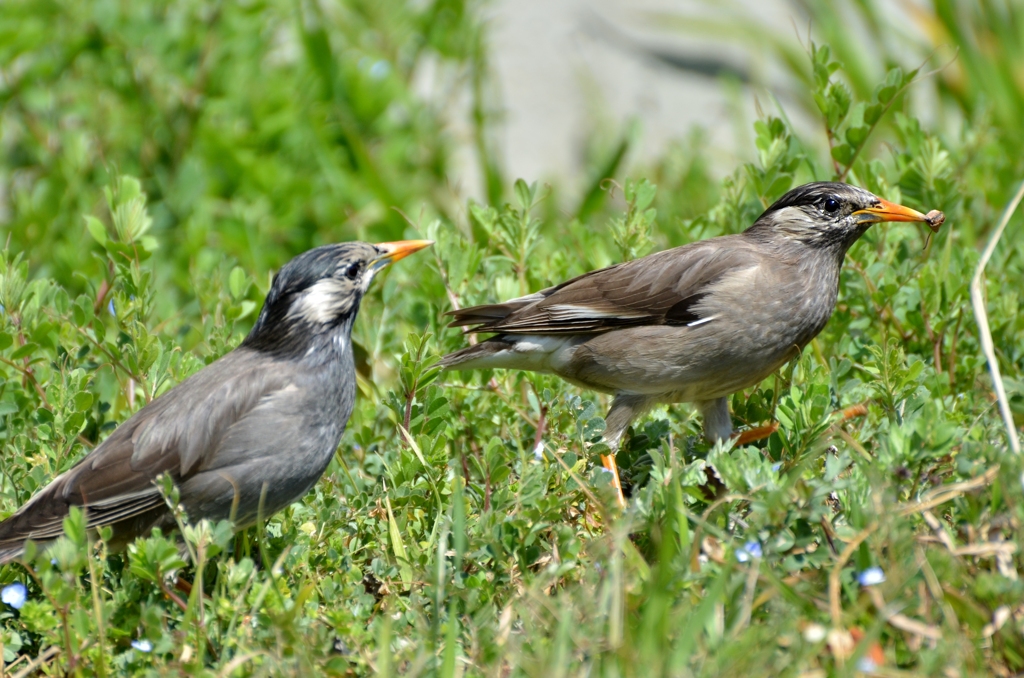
x=665, y=288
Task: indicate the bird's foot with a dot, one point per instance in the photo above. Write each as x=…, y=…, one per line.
x=608, y=461
x=752, y=435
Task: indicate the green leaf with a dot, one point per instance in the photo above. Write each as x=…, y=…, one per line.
x=96, y=229
x=840, y=99
x=83, y=401
x=238, y=282
x=873, y=113
x=245, y=309
x=398, y=547
x=75, y=526
x=843, y=153
x=644, y=192
x=525, y=194
x=24, y=351
x=856, y=136
x=129, y=189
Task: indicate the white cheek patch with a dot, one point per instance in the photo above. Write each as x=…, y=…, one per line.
x=321, y=303
x=367, y=278
x=794, y=221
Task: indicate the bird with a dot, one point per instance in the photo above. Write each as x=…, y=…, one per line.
x=695, y=323
x=245, y=436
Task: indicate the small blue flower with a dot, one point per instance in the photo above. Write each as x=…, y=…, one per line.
x=110, y=307
x=14, y=595
x=871, y=576
x=142, y=645
x=776, y=466
x=380, y=69
x=752, y=549
x=867, y=665
x=538, y=451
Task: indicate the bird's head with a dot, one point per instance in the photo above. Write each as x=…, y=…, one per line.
x=319, y=291
x=828, y=215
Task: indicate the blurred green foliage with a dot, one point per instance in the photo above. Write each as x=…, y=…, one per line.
x=259, y=129
x=463, y=528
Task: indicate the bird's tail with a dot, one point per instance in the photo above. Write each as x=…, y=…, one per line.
x=11, y=551
x=12, y=539
x=481, y=356
x=486, y=315
x=40, y=519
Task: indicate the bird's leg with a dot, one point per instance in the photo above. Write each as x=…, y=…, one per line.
x=608, y=461
x=757, y=433
x=625, y=408
x=717, y=421
x=718, y=424
x=171, y=595
x=183, y=585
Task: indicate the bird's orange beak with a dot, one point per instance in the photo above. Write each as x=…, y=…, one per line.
x=888, y=211
x=393, y=251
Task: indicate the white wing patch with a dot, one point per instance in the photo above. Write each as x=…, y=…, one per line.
x=530, y=343
x=572, y=312
x=536, y=296
x=695, y=323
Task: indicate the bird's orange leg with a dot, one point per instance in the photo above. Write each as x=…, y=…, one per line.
x=761, y=432
x=608, y=461
x=171, y=595
x=752, y=435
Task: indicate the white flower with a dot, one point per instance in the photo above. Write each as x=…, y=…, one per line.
x=142, y=645
x=871, y=576
x=814, y=633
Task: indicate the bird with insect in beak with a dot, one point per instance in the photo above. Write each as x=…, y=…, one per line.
x=242, y=438
x=691, y=324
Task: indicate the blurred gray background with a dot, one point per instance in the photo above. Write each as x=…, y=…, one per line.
x=563, y=68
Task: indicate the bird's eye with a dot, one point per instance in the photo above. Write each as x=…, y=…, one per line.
x=831, y=205
x=353, y=271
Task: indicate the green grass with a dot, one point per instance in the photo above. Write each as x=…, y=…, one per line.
x=257, y=130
